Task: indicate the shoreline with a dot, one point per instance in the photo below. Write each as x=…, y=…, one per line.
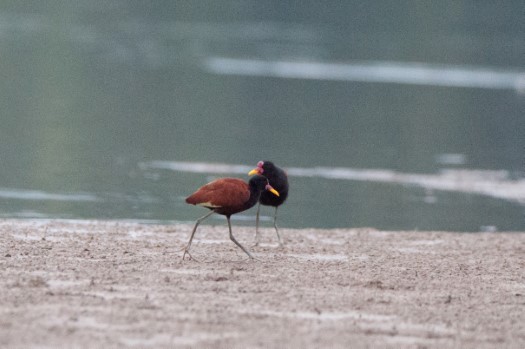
x=115, y=284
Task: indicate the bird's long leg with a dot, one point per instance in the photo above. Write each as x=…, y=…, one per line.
x=236, y=242
x=256, y=242
x=187, y=248
x=275, y=226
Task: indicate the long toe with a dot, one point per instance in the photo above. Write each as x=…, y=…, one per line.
x=187, y=252
x=191, y=258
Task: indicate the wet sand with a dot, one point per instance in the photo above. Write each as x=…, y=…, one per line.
x=106, y=284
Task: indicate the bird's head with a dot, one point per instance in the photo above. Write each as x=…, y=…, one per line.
x=262, y=183
x=262, y=168
x=259, y=170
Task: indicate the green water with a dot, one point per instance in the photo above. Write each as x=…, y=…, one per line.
x=92, y=90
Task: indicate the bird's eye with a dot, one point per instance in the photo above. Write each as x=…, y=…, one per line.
x=260, y=164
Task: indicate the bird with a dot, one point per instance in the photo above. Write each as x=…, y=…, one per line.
x=228, y=196
x=278, y=179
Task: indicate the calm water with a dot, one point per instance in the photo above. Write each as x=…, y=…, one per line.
x=405, y=117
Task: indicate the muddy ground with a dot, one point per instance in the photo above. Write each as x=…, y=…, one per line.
x=106, y=284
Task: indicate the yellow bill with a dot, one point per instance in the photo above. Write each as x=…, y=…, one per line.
x=254, y=172
x=271, y=190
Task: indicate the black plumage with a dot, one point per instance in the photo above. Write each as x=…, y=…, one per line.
x=278, y=179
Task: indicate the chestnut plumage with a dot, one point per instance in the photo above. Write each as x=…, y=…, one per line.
x=278, y=179
x=228, y=196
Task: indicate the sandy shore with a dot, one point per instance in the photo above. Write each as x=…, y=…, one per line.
x=106, y=284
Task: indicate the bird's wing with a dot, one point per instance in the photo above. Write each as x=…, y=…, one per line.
x=222, y=192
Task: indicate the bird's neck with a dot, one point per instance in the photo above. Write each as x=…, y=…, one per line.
x=255, y=194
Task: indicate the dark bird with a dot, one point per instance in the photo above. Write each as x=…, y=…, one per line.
x=278, y=179
x=228, y=196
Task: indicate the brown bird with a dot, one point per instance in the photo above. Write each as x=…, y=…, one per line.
x=228, y=196
x=278, y=179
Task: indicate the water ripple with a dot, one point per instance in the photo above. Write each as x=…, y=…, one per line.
x=373, y=71
x=22, y=194
x=495, y=184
